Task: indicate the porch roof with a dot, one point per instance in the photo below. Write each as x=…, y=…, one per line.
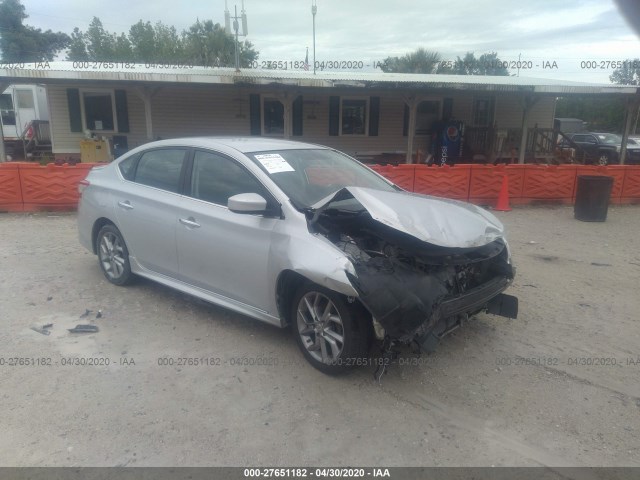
x=62, y=72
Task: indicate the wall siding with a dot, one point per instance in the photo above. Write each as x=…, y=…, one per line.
x=222, y=110
x=509, y=112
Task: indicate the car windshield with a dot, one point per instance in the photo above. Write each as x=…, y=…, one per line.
x=610, y=139
x=307, y=176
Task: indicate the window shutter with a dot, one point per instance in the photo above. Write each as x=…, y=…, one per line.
x=334, y=116
x=297, y=111
x=75, y=115
x=447, y=109
x=122, y=112
x=405, y=124
x=254, y=114
x=374, y=116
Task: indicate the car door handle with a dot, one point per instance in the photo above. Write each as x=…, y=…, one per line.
x=126, y=205
x=190, y=222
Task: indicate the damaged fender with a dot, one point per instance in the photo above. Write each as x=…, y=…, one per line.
x=419, y=264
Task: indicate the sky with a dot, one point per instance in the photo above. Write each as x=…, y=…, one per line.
x=576, y=40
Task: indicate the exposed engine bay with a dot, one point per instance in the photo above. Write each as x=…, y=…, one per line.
x=414, y=290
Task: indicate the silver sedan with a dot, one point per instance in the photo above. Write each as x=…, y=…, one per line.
x=297, y=235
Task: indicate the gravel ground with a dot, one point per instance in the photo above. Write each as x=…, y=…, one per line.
x=559, y=386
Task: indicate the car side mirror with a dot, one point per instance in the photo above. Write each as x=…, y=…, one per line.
x=247, y=203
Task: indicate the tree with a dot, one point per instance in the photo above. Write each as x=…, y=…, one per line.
x=100, y=43
x=77, y=47
x=628, y=73
x=486, y=64
x=158, y=44
x=22, y=43
x=204, y=43
x=420, y=61
x=601, y=114
x=426, y=61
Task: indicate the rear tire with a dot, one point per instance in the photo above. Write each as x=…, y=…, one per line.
x=333, y=335
x=113, y=255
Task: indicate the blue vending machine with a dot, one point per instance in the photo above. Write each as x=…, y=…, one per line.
x=449, y=142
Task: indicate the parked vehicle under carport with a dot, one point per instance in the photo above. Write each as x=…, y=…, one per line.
x=603, y=148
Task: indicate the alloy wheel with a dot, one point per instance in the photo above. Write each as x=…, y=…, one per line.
x=320, y=327
x=112, y=255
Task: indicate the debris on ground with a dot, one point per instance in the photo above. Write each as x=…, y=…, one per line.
x=601, y=264
x=86, y=313
x=44, y=329
x=84, y=329
x=99, y=314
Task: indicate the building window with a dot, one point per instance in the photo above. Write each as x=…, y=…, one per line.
x=272, y=117
x=354, y=116
x=482, y=112
x=24, y=98
x=427, y=114
x=6, y=110
x=99, y=108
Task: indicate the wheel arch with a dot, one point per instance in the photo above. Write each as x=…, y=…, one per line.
x=97, y=225
x=286, y=287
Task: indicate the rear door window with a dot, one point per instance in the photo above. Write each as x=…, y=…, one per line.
x=161, y=169
x=127, y=167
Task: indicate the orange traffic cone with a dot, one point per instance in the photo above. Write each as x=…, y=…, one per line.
x=503, y=198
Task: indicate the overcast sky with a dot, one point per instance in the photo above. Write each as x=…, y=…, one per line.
x=540, y=31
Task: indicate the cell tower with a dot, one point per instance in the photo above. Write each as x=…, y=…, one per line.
x=236, y=27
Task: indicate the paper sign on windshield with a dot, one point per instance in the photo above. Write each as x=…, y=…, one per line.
x=274, y=163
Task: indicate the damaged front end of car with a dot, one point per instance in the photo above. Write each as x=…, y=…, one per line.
x=423, y=265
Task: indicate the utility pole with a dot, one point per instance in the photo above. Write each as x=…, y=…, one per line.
x=314, y=10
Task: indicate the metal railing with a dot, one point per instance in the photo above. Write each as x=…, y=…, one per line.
x=545, y=145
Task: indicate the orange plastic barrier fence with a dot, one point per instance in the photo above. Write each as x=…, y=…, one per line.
x=481, y=184
x=403, y=175
x=10, y=189
x=446, y=181
x=51, y=187
x=31, y=187
x=631, y=186
x=486, y=181
x=549, y=183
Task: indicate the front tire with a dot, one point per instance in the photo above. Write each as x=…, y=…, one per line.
x=113, y=256
x=332, y=334
x=605, y=159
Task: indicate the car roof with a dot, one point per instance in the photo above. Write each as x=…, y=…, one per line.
x=241, y=144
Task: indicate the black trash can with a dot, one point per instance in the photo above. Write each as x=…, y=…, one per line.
x=592, y=198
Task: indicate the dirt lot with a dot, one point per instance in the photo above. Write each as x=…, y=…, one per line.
x=559, y=386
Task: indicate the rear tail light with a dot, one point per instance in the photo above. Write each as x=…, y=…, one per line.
x=82, y=185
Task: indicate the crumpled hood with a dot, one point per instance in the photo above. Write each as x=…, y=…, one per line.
x=438, y=221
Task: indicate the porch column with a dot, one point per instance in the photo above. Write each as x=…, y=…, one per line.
x=412, y=103
x=3, y=157
x=527, y=102
x=146, y=94
x=287, y=103
x=631, y=111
